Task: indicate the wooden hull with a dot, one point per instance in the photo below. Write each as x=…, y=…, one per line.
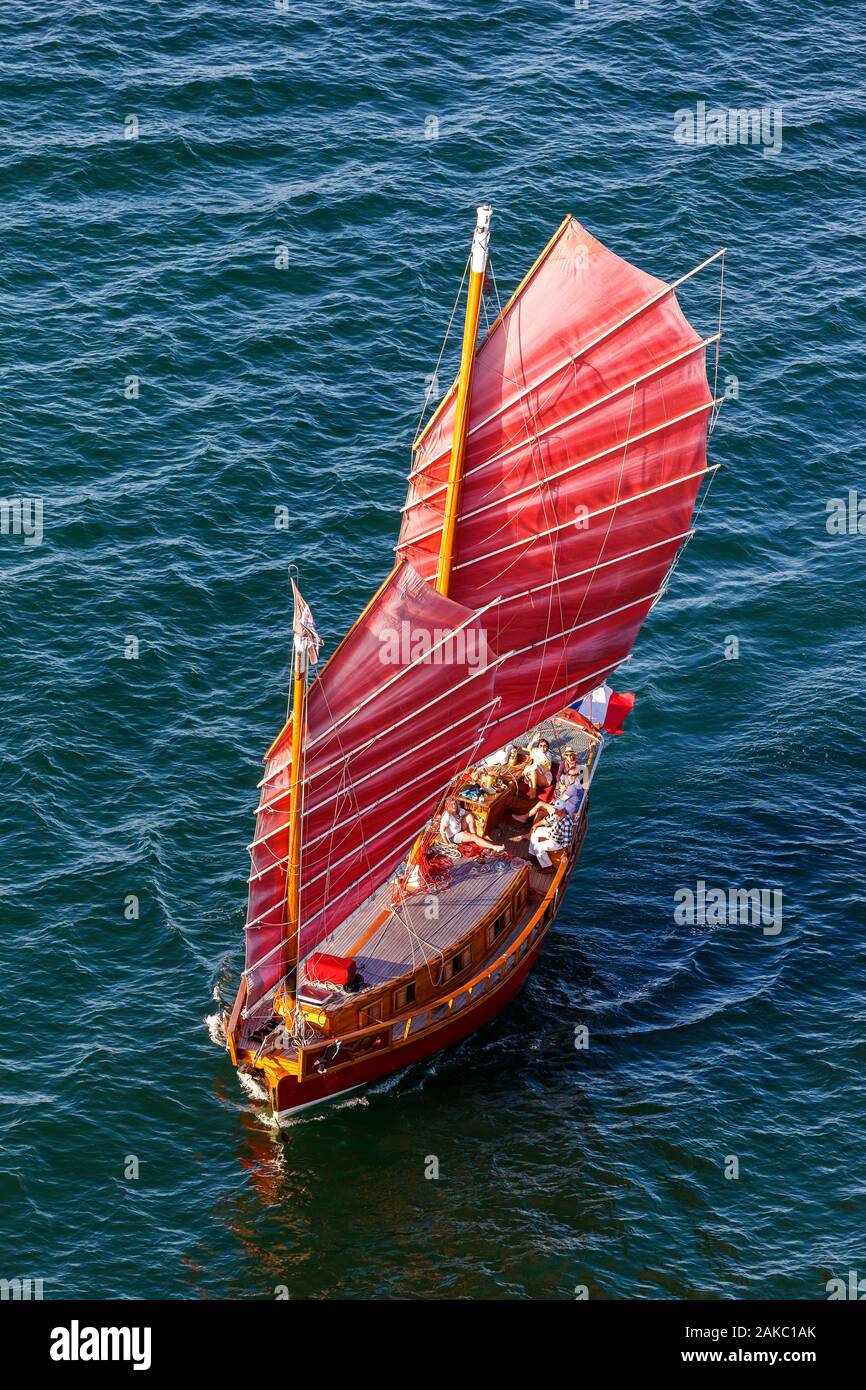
x=490, y=940
x=293, y=1095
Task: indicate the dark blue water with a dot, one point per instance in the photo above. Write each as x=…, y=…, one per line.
x=155, y=258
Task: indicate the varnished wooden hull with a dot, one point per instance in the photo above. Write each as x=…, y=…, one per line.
x=293, y=1095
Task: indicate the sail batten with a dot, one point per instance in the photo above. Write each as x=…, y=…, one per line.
x=548, y=479
x=701, y=345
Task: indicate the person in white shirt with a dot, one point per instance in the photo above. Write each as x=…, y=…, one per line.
x=457, y=827
x=570, y=788
x=501, y=758
x=539, y=772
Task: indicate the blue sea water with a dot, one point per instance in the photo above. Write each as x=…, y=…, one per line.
x=231, y=239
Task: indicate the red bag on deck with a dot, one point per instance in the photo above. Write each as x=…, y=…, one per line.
x=320, y=968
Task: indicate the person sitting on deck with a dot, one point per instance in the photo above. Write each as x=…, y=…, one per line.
x=569, y=790
x=540, y=769
x=457, y=827
x=553, y=833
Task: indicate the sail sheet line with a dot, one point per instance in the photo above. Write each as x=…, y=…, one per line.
x=435, y=374
x=714, y=417
x=269, y=868
x=434, y=492
x=562, y=473
x=424, y=659
x=561, y=366
x=382, y=767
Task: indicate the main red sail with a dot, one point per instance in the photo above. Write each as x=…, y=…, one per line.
x=586, y=450
x=585, y=453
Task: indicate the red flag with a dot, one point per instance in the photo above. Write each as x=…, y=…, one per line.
x=619, y=707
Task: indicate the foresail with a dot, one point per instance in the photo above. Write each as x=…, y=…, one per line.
x=395, y=714
x=585, y=454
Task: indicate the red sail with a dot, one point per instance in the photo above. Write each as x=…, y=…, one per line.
x=585, y=453
x=396, y=713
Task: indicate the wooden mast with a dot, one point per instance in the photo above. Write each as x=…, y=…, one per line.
x=293, y=871
x=305, y=648
x=477, y=268
x=300, y=661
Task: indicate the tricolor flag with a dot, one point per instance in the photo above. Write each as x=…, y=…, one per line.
x=307, y=639
x=606, y=708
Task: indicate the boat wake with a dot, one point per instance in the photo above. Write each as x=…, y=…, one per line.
x=216, y=1029
x=256, y=1091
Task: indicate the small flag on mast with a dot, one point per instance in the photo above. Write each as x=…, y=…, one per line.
x=307, y=639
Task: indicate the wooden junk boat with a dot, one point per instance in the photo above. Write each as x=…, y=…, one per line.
x=550, y=495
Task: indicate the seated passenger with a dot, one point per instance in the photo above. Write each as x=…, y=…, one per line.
x=457, y=827
x=540, y=769
x=571, y=783
x=569, y=790
x=554, y=832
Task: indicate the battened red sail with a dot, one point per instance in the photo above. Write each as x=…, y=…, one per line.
x=586, y=450
x=401, y=707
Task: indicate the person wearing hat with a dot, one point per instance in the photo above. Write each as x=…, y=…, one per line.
x=569, y=789
x=540, y=769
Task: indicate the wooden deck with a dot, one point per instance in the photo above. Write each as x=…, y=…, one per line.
x=418, y=934
x=411, y=935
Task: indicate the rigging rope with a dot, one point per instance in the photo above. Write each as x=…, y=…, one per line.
x=434, y=378
x=714, y=417
x=717, y=409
